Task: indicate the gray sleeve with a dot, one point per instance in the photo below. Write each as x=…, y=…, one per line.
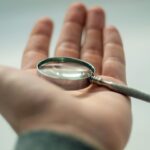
x=45, y=140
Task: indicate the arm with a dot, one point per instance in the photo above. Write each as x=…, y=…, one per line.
x=50, y=140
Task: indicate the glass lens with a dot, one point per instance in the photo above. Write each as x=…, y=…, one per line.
x=66, y=70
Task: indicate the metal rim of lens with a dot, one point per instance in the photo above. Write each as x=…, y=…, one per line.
x=64, y=59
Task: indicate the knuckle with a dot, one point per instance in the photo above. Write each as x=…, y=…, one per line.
x=112, y=29
x=70, y=44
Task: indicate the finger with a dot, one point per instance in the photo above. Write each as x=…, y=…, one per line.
x=93, y=44
x=38, y=44
x=70, y=37
x=114, y=59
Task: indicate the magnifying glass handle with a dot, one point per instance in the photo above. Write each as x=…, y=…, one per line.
x=128, y=91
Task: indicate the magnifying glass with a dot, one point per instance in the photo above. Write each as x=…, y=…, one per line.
x=72, y=74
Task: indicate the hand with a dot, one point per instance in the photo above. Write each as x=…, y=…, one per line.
x=95, y=114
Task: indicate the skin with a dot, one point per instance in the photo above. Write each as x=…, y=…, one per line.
x=95, y=115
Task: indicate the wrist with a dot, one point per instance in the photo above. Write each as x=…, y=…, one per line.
x=51, y=140
x=68, y=130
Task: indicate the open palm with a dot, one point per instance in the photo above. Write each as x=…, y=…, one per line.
x=95, y=113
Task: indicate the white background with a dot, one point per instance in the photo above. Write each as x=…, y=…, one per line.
x=132, y=17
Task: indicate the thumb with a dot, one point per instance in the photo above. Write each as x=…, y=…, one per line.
x=6, y=76
x=23, y=95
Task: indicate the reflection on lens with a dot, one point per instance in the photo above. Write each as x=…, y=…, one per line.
x=66, y=70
